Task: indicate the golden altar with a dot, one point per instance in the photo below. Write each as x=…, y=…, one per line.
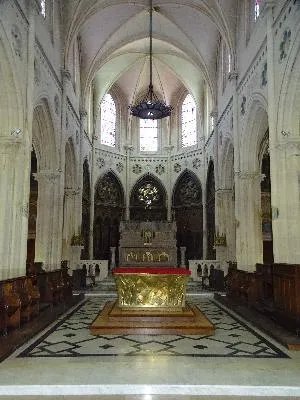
x=151, y=301
x=140, y=287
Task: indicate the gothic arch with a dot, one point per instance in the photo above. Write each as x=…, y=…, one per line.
x=210, y=211
x=108, y=212
x=70, y=179
x=85, y=209
x=289, y=97
x=148, y=199
x=188, y=212
x=227, y=165
x=43, y=137
x=265, y=198
x=256, y=124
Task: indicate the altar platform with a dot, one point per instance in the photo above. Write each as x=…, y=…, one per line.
x=114, y=320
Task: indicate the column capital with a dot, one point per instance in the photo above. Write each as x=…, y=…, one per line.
x=128, y=147
x=214, y=113
x=168, y=148
x=83, y=113
x=66, y=74
x=224, y=191
x=72, y=192
x=233, y=76
x=250, y=175
x=9, y=144
x=47, y=176
x=292, y=147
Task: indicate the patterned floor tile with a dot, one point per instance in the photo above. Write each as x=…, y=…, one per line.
x=70, y=337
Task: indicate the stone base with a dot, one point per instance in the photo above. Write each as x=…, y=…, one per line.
x=113, y=320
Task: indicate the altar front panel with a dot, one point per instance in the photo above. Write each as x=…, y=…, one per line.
x=163, y=288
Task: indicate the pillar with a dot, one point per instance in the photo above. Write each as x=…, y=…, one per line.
x=48, y=226
x=249, y=244
x=14, y=207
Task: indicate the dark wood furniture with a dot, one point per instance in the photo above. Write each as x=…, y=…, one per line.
x=241, y=286
x=11, y=305
x=3, y=317
x=286, y=284
x=274, y=290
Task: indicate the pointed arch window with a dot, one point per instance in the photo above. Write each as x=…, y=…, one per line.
x=43, y=8
x=256, y=9
x=108, y=121
x=188, y=122
x=148, y=135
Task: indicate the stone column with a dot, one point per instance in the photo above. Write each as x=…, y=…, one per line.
x=169, y=149
x=14, y=207
x=249, y=245
x=112, y=258
x=48, y=228
x=128, y=149
x=204, y=222
x=182, y=257
x=286, y=203
x=75, y=254
x=226, y=224
x=70, y=225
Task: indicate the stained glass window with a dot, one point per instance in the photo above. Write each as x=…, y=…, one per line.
x=108, y=121
x=43, y=8
x=148, y=135
x=188, y=122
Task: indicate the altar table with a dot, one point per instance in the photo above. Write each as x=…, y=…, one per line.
x=151, y=287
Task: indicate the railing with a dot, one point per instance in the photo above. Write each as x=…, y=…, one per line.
x=201, y=268
x=95, y=268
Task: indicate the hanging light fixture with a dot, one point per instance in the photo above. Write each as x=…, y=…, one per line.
x=150, y=107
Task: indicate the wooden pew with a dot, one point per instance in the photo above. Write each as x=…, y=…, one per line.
x=3, y=317
x=242, y=286
x=12, y=304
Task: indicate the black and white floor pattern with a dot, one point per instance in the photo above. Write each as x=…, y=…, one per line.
x=70, y=337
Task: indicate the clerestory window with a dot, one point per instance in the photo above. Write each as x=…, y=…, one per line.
x=148, y=135
x=257, y=9
x=188, y=122
x=43, y=8
x=108, y=121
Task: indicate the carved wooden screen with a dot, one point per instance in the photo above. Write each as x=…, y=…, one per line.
x=33, y=197
x=86, y=204
x=109, y=207
x=188, y=208
x=210, y=212
x=148, y=200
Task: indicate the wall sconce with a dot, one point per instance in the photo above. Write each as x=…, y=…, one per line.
x=220, y=240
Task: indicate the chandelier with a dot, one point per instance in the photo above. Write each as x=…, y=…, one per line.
x=150, y=107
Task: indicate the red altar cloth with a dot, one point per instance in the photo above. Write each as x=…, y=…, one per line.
x=151, y=270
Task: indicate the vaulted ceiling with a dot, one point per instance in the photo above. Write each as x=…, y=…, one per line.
x=114, y=36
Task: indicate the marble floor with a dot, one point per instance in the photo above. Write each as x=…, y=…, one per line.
x=65, y=361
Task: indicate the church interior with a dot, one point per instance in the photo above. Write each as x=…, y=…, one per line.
x=150, y=199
